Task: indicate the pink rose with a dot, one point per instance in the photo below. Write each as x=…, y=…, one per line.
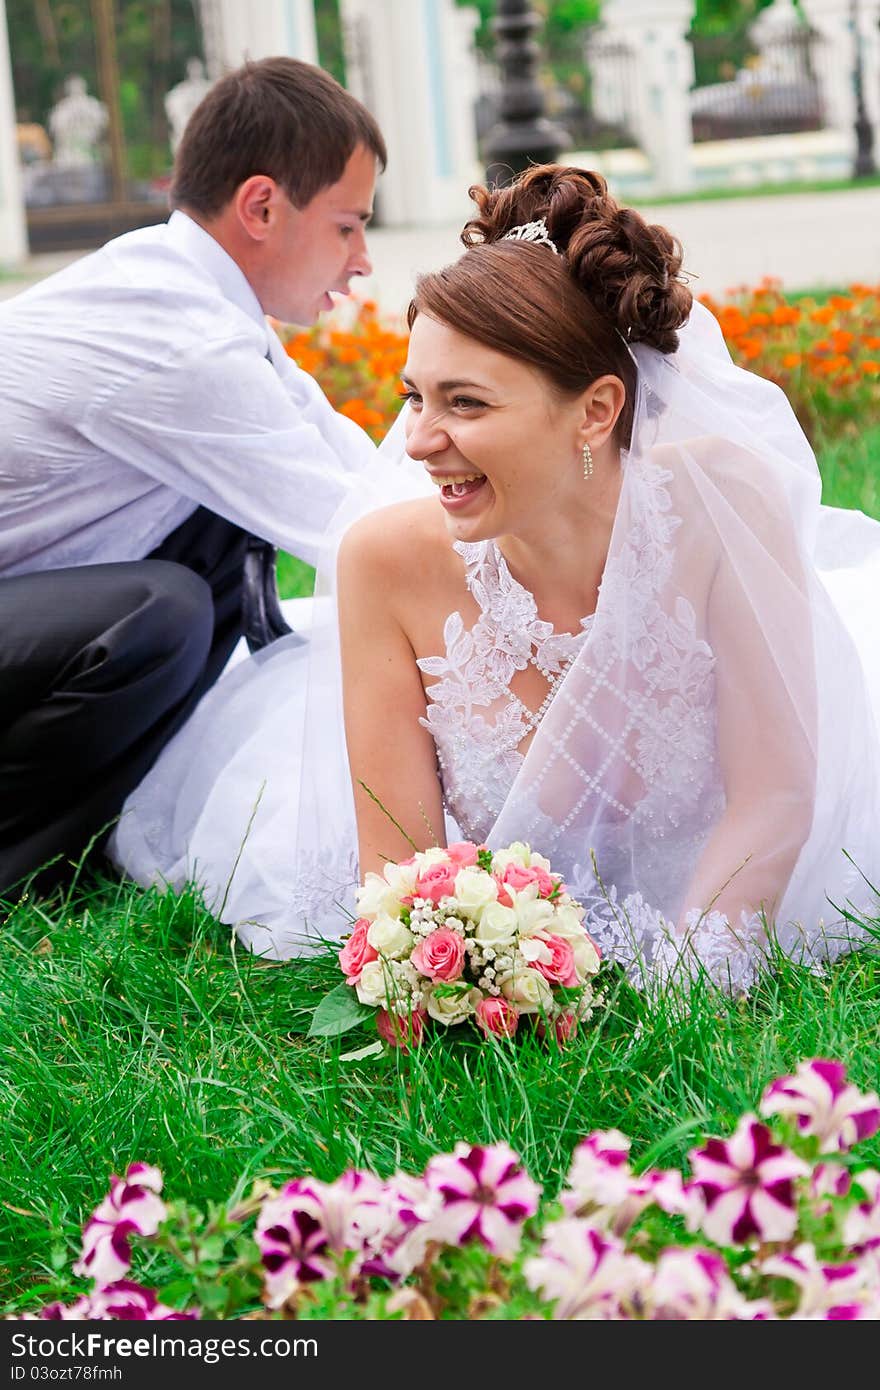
x=437, y=881
x=440, y=956
x=564, y=1025
x=463, y=853
x=401, y=1031
x=518, y=876
x=547, y=883
x=560, y=969
x=497, y=1016
x=357, y=951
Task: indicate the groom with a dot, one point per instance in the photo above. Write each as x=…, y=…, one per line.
x=152, y=427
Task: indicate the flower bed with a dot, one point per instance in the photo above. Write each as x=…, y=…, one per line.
x=779, y=1220
x=357, y=365
x=825, y=355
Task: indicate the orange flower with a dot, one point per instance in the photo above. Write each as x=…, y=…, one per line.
x=786, y=313
x=870, y=368
x=750, y=348
x=842, y=340
x=792, y=359
x=839, y=301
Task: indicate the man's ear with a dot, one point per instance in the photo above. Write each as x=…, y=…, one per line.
x=603, y=401
x=256, y=204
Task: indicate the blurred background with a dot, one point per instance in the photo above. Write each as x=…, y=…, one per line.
x=669, y=98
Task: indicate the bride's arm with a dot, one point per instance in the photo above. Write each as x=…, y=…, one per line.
x=760, y=628
x=389, y=752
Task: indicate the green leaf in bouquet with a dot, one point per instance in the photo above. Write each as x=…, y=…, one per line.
x=337, y=1012
x=568, y=994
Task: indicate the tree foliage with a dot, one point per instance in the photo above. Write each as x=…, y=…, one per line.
x=565, y=18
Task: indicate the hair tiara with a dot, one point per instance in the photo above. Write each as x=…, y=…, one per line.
x=532, y=231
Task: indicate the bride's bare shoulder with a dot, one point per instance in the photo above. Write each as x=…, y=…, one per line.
x=402, y=538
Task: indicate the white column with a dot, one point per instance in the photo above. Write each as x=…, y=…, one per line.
x=13, y=227
x=235, y=31
x=411, y=62
x=656, y=32
x=835, y=62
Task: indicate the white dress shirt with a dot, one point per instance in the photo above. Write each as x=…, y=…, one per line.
x=135, y=387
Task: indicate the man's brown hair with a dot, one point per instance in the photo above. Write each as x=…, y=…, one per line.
x=280, y=117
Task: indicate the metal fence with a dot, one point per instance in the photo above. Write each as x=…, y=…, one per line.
x=772, y=91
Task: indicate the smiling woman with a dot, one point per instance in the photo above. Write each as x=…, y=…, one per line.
x=583, y=600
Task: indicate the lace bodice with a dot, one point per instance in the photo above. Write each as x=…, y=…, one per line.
x=477, y=722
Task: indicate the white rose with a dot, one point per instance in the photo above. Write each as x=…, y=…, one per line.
x=586, y=958
x=370, y=894
x=568, y=922
x=426, y=857
x=375, y=985
x=451, y=1008
x=496, y=927
x=517, y=853
x=401, y=878
x=528, y=990
x=390, y=937
x=474, y=890
x=375, y=895
x=534, y=914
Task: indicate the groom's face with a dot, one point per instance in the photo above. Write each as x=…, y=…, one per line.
x=315, y=251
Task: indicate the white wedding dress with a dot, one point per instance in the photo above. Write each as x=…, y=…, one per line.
x=712, y=732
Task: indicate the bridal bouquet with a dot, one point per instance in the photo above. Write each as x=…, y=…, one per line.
x=467, y=934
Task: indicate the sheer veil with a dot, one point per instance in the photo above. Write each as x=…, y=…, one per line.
x=708, y=773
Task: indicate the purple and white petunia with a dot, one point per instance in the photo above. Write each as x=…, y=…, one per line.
x=122, y=1301
x=691, y=1284
x=818, y=1098
x=485, y=1195
x=411, y=1206
x=354, y=1211
x=600, y=1173
x=603, y=1187
x=585, y=1273
x=861, y=1225
x=828, y=1291
x=132, y=1207
x=293, y=1243
x=748, y=1185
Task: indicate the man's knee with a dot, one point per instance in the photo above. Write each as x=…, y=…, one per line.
x=173, y=610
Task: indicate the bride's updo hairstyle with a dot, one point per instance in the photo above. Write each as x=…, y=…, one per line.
x=615, y=281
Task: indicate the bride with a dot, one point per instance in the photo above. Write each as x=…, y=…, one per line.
x=587, y=599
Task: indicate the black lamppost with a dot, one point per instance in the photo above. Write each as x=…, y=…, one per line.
x=864, y=166
x=523, y=135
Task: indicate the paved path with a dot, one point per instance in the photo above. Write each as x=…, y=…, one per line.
x=805, y=239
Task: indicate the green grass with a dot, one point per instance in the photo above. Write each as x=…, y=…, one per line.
x=130, y=1029
x=760, y=190
x=851, y=470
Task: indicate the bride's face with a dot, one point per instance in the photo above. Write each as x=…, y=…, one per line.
x=501, y=446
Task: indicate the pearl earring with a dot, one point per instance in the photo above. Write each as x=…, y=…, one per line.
x=588, y=462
